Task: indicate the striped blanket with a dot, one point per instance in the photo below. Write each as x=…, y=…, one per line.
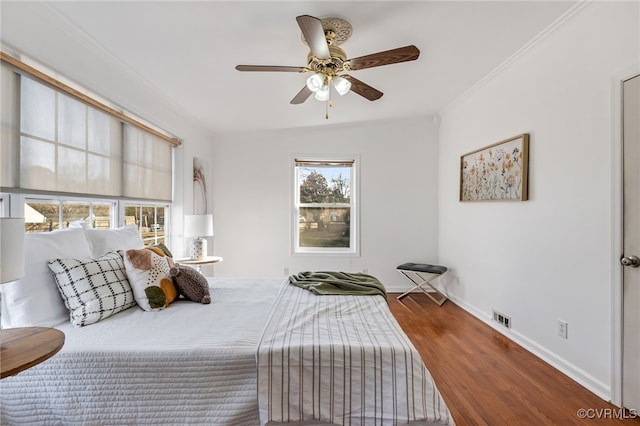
x=342, y=360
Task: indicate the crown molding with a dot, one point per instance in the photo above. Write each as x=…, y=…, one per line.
x=542, y=35
x=103, y=55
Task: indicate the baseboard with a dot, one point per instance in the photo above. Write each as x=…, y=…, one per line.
x=582, y=377
x=397, y=288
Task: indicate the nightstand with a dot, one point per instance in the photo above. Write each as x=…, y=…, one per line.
x=198, y=263
x=24, y=347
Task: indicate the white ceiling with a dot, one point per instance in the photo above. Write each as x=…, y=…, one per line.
x=176, y=57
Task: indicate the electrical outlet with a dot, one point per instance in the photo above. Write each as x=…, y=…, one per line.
x=562, y=329
x=502, y=319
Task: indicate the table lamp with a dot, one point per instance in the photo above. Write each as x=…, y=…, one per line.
x=198, y=226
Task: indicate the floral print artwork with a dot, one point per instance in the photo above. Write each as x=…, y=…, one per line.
x=497, y=172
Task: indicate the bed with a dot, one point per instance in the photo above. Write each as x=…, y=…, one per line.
x=232, y=362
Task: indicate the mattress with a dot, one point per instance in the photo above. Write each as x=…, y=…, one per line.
x=196, y=364
x=190, y=363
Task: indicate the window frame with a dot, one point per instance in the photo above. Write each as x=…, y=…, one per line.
x=354, y=227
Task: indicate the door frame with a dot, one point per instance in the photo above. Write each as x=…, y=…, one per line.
x=617, y=217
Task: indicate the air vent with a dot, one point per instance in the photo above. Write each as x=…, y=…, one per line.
x=502, y=319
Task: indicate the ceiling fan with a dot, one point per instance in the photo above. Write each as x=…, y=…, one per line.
x=329, y=63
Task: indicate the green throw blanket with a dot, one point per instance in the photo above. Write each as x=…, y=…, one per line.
x=339, y=283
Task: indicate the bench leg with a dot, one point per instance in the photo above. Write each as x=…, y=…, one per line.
x=418, y=282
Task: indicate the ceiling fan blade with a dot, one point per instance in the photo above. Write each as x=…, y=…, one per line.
x=314, y=35
x=363, y=89
x=269, y=68
x=388, y=57
x=301, y=96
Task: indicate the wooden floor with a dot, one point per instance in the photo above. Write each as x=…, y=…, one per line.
x=486, y=379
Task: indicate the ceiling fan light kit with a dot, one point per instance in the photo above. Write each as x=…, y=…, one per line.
x=320, y=83
x=342, y=85
x=329, y=63
x=315, y=82
x=324, y=94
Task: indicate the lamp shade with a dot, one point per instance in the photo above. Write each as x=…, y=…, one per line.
x=322, y=94
x=11, y=249
x=315, y=82
x=198, y=225
x=342, y=85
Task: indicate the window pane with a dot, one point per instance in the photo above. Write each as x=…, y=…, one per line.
x=148, y=217
x=41, y=217
x=37, y=109
x=71, y=122
x=102, y=214
x=157, y=229
x=326, y=184
x=150, y=220
x=75, y=211
x=324, y=227
x=132, y=215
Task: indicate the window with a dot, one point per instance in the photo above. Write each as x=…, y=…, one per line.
x=325, y=206
x=151, y=220
x=64, y=159
x=49, y=214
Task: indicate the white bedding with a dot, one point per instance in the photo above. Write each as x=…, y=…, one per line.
x=138, y=367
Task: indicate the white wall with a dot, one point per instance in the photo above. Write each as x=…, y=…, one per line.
x=31, y=29
x=548, y=258
x=253, y=192
x=197, y=143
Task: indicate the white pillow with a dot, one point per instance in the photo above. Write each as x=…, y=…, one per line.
x=34, y=300
x=105, y=240
x=93, y=289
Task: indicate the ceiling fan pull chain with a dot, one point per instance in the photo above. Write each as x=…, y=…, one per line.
x=329, y=101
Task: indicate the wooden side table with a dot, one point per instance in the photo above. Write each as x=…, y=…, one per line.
x=24, y=347
x=198, y=263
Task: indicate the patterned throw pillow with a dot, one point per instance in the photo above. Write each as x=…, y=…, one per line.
x=150, y=280
x=93, y=289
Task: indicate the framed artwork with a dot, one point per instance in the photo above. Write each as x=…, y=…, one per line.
x=200, y=174
x=497, y=172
